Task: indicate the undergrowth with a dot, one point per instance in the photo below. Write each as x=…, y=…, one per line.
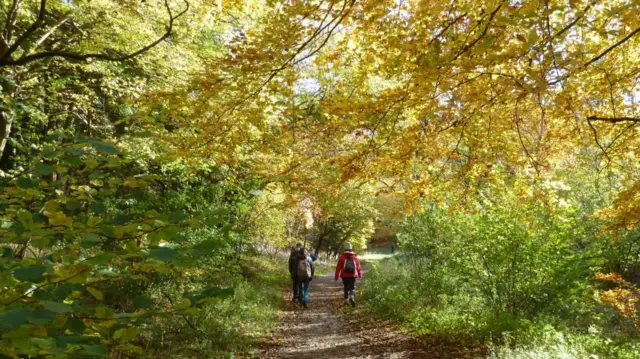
x=443, y=305
x=230, y=325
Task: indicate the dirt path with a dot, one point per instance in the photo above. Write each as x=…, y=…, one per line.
x=328, y=329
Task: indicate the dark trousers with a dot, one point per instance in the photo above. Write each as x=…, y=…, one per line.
x=295, y=285
x=349, y=286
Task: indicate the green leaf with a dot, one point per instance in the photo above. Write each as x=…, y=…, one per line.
x=63, y=341
x=5, y=224
x=96, y=293
x=207, y=246
x=6, y=252
x=97, y=175
x=213, y=221
x=486, y=42
x=169, y=233
x=214, y=292
x=163, y=254
x=45, y=169
x=100, y=259
x=72, y=206
x=14, y=318
x=131, y=348
x=96, y=350
x=26, y=219
x=33, y=273
x=105, y=148
x=90, y=239
x=76, y=325
x=57, y=307
x=108, y=273
x=126, y=334
x=42, y=317
x=64, y=290
x=176, y=217
x=74, y=151
x=119, y=220
x=142, y=302
x=26, y=183
x=43, y=343
x=98, y=208
x=73, y=161
x=44, y=294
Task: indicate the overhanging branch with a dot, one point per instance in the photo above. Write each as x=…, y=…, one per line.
x=6, y=56
x=625, y=39
x=614, y=119
x=7, y=61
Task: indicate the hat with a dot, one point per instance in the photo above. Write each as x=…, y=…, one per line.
x=348, y=247
x=299, y=245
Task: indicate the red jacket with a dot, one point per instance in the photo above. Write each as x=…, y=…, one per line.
x=340, y=266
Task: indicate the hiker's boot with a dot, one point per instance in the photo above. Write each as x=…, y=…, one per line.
x=352, y=300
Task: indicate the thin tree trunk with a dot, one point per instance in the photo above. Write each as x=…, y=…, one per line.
x=6, y=120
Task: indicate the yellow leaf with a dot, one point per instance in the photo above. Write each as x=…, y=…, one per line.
x=96, y=293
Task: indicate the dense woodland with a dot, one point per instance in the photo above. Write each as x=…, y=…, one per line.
x=158, y=157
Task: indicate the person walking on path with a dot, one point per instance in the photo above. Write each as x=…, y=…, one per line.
x=393, y=247
x=304, y=276
x=292, y=270
x=348, y=269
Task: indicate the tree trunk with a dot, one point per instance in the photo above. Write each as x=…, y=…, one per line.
x=6, y=120
x=320, y=240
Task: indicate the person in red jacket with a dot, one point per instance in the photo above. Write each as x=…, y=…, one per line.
x=348, y=269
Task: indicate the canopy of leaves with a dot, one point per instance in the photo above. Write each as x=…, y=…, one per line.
x=146, y=140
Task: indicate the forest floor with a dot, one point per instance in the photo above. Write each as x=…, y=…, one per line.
x=328, y=329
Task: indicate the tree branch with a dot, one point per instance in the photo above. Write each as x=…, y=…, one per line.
x=11, y=15
x=36, y=24
x=614, y=119
x=44, y=37
x=33, y=289
x=634, y=32
x=98, y=56
x=595, y=137
x=482, y=35
x=570, y=25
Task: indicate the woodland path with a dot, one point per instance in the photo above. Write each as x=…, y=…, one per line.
x=327, y=330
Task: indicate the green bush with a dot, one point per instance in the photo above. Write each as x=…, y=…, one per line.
x=228, y=325
x=516, y=275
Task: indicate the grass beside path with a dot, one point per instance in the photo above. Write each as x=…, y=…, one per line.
x=232, y=326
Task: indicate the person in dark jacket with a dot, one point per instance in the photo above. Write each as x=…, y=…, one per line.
x=348, y=269
x=303, y=280
x=292, y=270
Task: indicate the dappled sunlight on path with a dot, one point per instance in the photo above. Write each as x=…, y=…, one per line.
x=329, y=330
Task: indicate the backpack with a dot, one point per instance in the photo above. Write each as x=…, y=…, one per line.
x=350, y=265
x=304, y=269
